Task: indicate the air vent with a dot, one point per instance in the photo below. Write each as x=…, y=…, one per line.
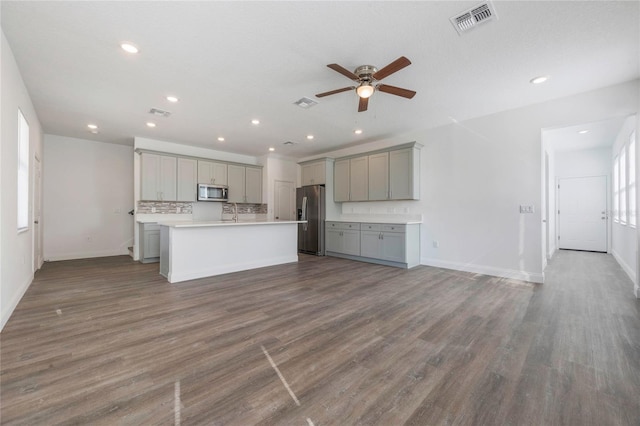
x=289, y=143
x=159, y=112
x=305, y=103
x=469, y=19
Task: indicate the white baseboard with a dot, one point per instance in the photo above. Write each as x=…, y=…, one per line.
x=625, y=267
x=14, y=302
x=88, y=254
x=485, y=270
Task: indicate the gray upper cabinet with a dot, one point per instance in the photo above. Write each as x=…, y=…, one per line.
x=379, y=176
x=245, y=184
x=187, y=179
x=158, y=177
x=390, y=174
x=212, y=172
x=314, y=173
x=341, y=180
x=359, y=179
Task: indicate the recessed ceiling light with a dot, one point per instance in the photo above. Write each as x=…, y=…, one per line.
x=255, y=121
x=150, y=124
x=357, y=132
x=95, y=132
x=220, y=139
x=172, y=99
x=92, y=126
x=582, y=132
x=271, y=148
x=309, y=137
x=538, y=80
x=128, y=47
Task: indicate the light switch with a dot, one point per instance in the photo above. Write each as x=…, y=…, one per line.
x=526, y=209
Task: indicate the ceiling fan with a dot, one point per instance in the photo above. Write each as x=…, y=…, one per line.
x=366, y=76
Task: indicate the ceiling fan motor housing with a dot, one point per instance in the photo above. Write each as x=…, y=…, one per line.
x=365, y=72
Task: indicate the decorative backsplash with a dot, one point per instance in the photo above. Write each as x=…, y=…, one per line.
x=227, y=208
x=169, y=207
x=164, y=207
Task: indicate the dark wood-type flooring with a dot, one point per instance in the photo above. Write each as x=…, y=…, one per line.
x=108, y=341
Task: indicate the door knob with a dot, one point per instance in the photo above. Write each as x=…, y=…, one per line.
x=36, y=222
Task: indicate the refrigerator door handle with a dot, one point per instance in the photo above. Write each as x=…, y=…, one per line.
x=304, y=213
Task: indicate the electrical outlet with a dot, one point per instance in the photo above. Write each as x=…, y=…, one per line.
x=178, y=209
x=153, y=209
x=436, y=244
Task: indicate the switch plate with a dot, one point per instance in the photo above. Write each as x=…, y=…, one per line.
x=526, y=209
x=436, y=244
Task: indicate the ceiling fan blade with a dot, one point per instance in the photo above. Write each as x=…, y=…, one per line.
x=363, y=104
x=394, y=66
x=343, y=71
x=333, y=92
x=398, y=91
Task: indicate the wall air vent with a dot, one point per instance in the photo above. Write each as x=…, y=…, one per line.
x=159, y=112
x=289, y=143
x=471, y=18
x=305, y=103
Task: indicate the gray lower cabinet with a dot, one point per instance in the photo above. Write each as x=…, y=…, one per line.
x=387, y=244
x=149, y=242
x=343, y=238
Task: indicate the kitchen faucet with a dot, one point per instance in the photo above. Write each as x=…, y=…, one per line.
x=235, y=212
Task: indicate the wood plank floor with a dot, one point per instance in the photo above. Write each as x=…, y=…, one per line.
x=108, y=341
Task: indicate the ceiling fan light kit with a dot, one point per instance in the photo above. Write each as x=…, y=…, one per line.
x=366, y=76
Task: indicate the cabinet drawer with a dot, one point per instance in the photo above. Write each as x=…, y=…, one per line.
x=343, y=225
x=371, y=227
x=393, y=228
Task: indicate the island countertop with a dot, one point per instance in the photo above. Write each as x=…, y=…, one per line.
x=210, y=223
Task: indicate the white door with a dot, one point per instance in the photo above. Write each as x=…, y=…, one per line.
x=582, y=219
x=37, y=181
x=284, y=200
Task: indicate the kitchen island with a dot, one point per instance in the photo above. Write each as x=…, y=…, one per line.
x=192, y=249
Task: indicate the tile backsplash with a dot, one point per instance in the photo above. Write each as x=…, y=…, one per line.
x=227, y=208
x=164, y=207
x=169, y=207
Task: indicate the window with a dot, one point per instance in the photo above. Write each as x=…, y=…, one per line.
x=616, y=190
x=23, y=172
x=622, y=169
x=631, y=176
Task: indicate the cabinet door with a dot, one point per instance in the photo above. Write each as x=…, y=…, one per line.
x=253, y=185
x=204, y=172
x=370, y=244
x=236, y=182
x=359, y=179
x=168, y=178
x=307, y=175
x=341, y=180
x=187, y=179
x=393, y=246
x=333, y=241
x=351, y=241
x=219, y=173
x=149, y=174
x=151, y=244
x=379, y=176
x=401, y=174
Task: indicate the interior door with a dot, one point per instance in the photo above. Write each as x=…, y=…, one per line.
x=37, y=248
x=284, y=200
x=582, y=218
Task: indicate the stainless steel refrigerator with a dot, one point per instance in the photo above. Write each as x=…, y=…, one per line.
x=310, y=207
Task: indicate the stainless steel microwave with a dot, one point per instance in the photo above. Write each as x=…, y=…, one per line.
x=208, y=192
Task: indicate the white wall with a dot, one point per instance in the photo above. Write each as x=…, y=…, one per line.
x=475, y=174
x=624, y=237
x=16, y=249
x=87, y=194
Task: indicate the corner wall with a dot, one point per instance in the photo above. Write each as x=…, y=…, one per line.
x=87, y=194
x=16, y=249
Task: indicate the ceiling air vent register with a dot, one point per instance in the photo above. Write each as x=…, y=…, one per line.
x=305, y=103
x=471, y=18
x=159, y=112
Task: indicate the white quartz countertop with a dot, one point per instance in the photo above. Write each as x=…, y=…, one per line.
x=201, y=224
x=392, y=221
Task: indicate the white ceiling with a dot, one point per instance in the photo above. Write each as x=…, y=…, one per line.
x=599, y=134
x=230, y=62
